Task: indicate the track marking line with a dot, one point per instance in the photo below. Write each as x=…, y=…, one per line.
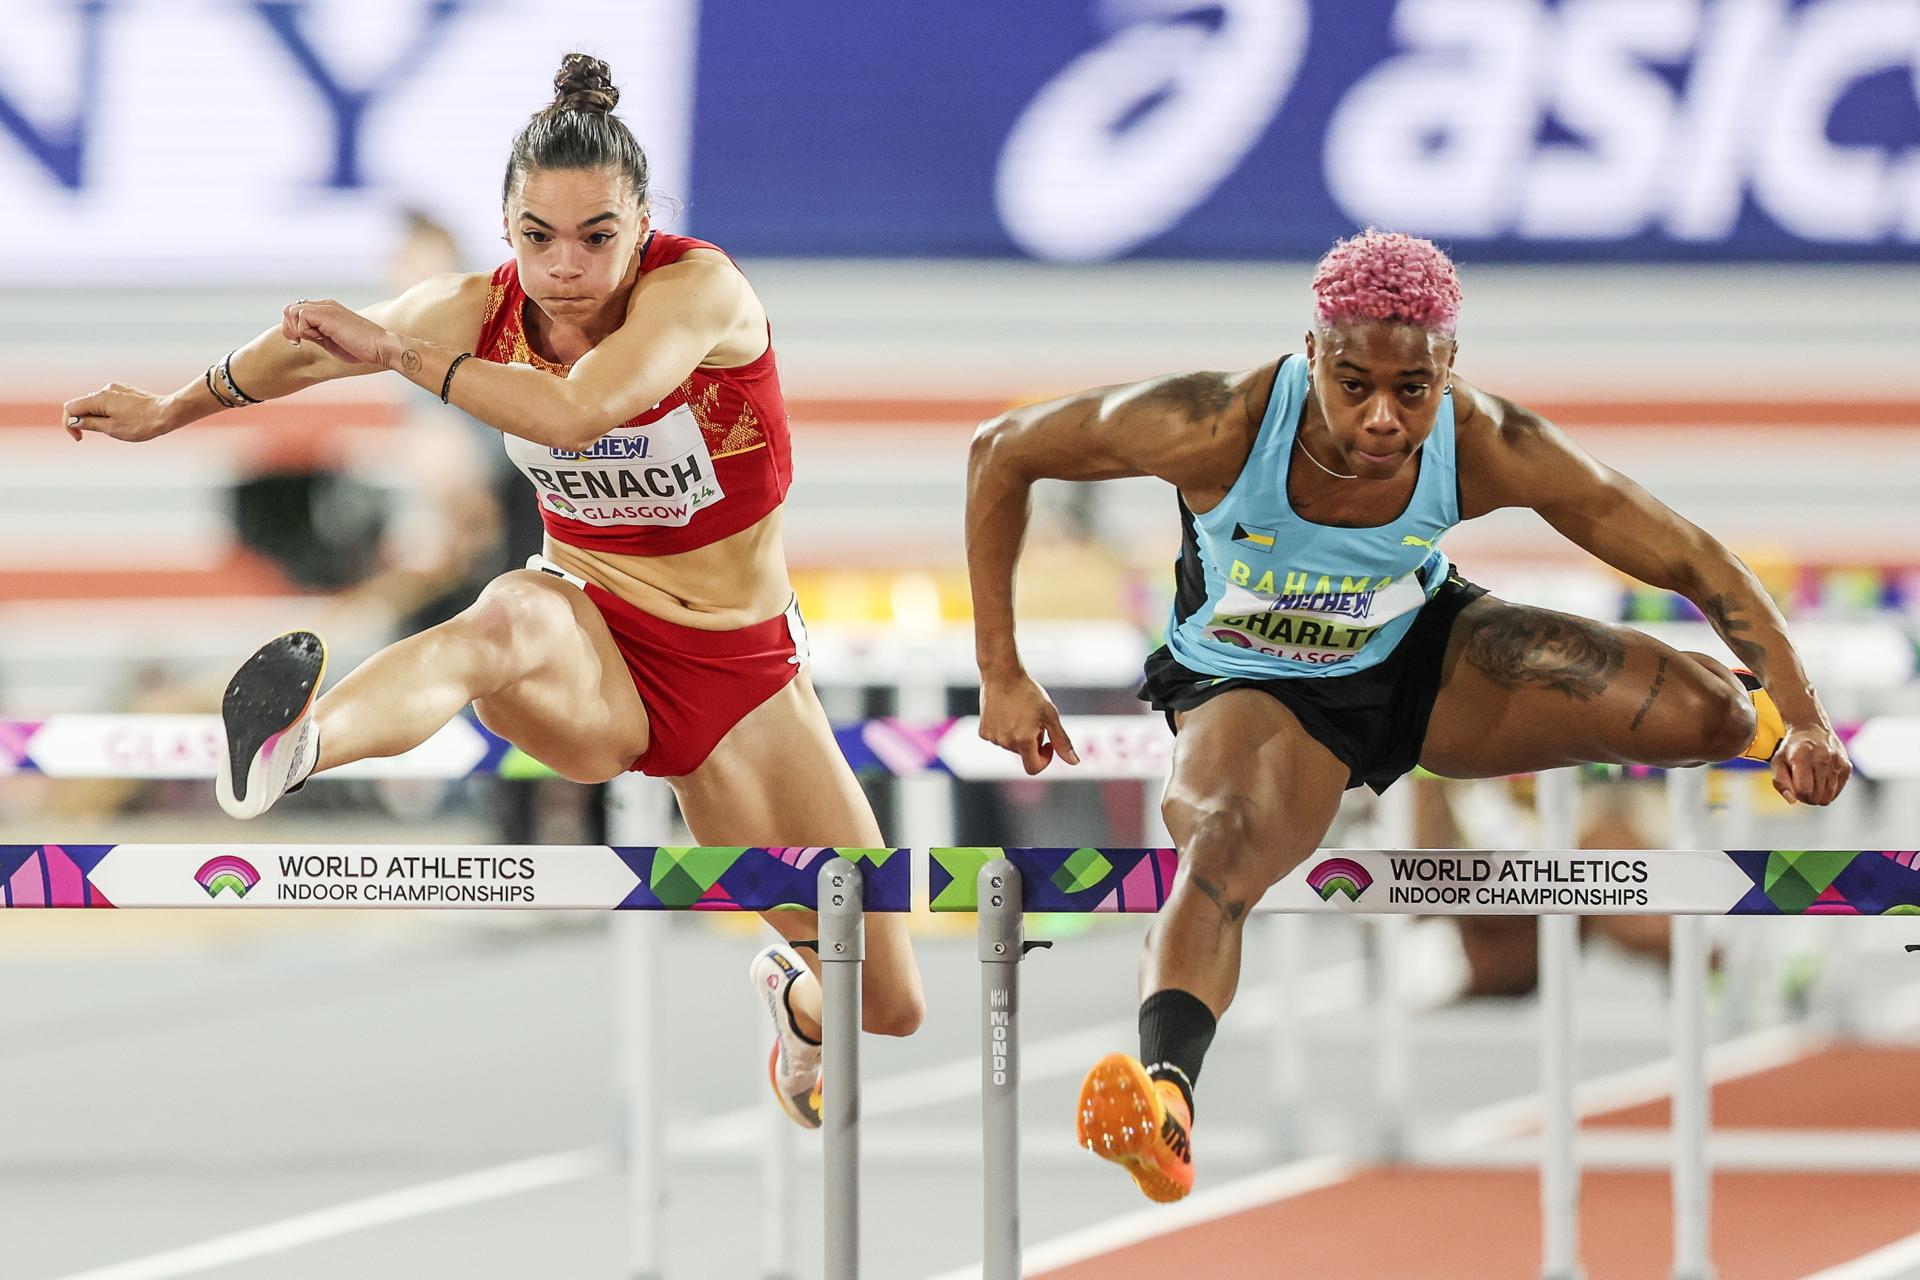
x=457, y=1192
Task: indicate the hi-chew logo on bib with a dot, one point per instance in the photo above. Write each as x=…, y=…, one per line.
x=657, y=474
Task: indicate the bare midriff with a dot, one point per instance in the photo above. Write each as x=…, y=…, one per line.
x=729, y=584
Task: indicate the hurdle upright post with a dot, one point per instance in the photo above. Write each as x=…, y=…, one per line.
x=842, y=949
x=1557, y=798
x=1393, y=1059
x=640, y=810
x=1002, y=944
x=1687, y=966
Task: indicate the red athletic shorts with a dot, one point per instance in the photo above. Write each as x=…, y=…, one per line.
x=696, y=685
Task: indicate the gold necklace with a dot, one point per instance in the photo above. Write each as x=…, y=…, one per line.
x=1316, y=462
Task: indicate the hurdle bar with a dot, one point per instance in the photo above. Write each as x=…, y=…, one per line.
x=1111, y=748
x=840, y=883
x=1001, y=883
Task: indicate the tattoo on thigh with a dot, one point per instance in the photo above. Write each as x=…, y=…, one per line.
x=1520, y=647
x=1734, y=628
x=1231, y=908
x=1659, y=679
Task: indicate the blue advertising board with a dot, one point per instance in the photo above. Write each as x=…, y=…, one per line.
x=1088, y=130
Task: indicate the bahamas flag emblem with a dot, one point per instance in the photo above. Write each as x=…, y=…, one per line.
x=1253, y=535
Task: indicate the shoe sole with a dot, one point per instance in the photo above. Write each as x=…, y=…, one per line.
x=1119, y=1120
x=268, y=695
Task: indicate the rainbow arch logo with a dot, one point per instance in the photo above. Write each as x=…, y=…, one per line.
x=227, y=872
x=1339, y=875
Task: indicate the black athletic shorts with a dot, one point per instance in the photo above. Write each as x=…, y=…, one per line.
x=1374, y=721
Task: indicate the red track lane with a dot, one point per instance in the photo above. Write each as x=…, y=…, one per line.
x=1445, y=1224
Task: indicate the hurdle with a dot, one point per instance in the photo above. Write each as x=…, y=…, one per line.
x=840, y=883
x=1885, y=747
x=1001, y=884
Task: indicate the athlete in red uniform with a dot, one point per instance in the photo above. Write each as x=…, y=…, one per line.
x=632, y=375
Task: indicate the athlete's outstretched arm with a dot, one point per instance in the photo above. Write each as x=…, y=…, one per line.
x=1512, y=457
x=1179, y=428
x=441, y=308
x=693, y=306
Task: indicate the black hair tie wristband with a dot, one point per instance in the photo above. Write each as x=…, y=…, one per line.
x=446, y=383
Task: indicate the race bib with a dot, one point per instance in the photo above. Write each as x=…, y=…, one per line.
x=657, y=474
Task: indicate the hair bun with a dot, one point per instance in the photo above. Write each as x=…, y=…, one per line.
x=584, y=83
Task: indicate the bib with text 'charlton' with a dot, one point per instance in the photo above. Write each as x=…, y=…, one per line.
x=1263, y=593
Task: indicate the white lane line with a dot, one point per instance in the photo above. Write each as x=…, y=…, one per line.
x=496, y=1183
x=1635, y=1086
x=1897, y=1261
x=1271, y=1187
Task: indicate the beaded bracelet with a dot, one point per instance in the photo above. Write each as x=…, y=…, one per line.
x=215, y=391
x=226, y=376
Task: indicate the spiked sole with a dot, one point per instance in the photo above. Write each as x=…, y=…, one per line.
x=268, y=696
x=1119, y=1120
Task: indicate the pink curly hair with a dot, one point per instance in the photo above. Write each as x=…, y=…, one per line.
x=1384, y=277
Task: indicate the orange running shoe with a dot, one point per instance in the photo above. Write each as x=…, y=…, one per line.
x=1142, y=1124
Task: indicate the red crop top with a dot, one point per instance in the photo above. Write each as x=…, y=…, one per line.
x=709, y=460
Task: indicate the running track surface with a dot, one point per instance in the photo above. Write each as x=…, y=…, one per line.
x=1475, y=1224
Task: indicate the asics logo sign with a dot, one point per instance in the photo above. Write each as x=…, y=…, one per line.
x=1131, y=136
x=1762, y=123
x=1751, y=122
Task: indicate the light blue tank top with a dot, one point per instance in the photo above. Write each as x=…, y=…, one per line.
x=1261, y=592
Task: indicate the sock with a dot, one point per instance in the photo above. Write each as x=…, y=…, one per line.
x=1176, y=1027
x=786, y=999
x=1769, y=728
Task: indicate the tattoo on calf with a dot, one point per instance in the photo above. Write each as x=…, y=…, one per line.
x=1520, y=647
x=1659, y=679
x=1733, y=628
x=1231, y=908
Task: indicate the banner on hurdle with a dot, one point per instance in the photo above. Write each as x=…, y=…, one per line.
x=1472, y=881
x=530, y=877
x=1110, y=747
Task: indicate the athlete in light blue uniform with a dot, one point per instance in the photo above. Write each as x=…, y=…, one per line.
x=1320, y=639
x=1286, y=596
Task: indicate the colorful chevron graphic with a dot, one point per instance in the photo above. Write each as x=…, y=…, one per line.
x=228, y=872
x=1769, y=882
x=1339, y=875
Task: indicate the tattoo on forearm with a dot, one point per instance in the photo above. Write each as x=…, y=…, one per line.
x=1733, y=628
x=1659, y=679
x=1231, y=908
x=410, y=360
x=1520, y=647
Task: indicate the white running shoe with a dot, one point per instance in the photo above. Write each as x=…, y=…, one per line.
x=794, y=1068
x=272, y=743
